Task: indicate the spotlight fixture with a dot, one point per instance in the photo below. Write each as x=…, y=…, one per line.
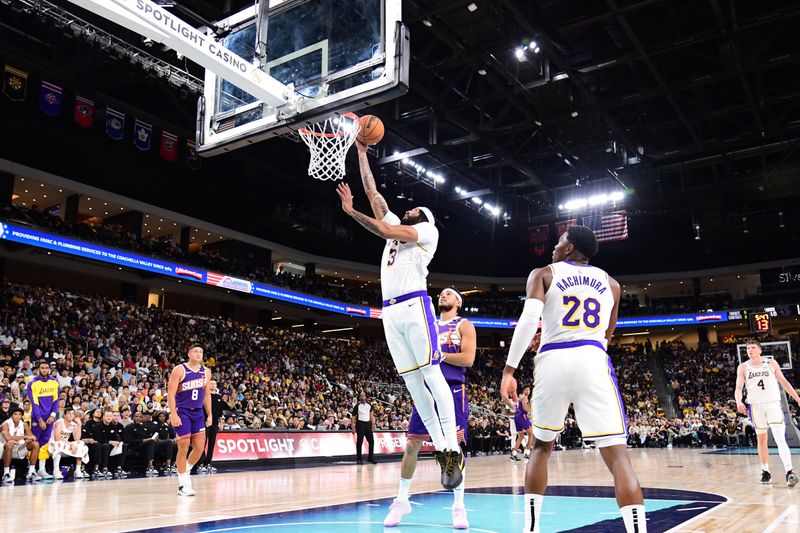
x=473, y=7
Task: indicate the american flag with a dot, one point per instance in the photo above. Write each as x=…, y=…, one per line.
x=607, y=228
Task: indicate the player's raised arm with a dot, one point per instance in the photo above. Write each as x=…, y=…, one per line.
x=737, y=394
x=783, y=381
x=383, y=230
x=376, y=200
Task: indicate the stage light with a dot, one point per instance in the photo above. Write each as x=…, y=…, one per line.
x=520, y=54
x=473, y=7
x=476, y=200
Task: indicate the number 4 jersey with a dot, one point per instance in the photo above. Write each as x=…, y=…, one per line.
x=577, y=306
x=761, y=383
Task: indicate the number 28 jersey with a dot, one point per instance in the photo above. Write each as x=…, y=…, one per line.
x=577, y=306
x=191, y=389
x=761, y=383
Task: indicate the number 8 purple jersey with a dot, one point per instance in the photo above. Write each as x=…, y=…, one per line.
x=191, y=389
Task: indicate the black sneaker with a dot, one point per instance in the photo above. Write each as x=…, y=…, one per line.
x=452, y=465
x=766, y=477
x=514, y=457
x=791, y=479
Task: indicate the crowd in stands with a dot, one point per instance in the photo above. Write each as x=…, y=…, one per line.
x=112, y=358
x=500, y=304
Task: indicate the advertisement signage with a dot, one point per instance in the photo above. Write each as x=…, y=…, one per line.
x=254, y=445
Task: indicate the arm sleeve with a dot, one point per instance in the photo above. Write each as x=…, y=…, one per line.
x=391, y=218
x=427, y=234
x=526, y=328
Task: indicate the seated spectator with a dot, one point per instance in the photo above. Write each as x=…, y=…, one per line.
x=66, y=442
x=18, y=442
x=141, y=441
x=166, y=449
x=109, y=438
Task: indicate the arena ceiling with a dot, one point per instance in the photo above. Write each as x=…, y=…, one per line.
x=693, y=108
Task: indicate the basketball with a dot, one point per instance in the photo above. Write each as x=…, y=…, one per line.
x=371, y=130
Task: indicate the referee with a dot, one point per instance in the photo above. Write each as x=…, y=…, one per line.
x=363, y=424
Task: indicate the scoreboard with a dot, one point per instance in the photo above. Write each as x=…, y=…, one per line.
x=760, y=322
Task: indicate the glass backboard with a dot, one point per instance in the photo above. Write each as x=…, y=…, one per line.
x=781, y=351
x=338, y=55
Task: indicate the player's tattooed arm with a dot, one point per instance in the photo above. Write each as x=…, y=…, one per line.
x=368, y=223
x=376, y=200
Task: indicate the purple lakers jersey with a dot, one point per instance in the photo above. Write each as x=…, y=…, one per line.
x=450, y=342
x=192, y=389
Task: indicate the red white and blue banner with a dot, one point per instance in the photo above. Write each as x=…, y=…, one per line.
x=142, y=134
x=254, y=445
x=115, y=123
x=169, y=146
x=50, y=99
x=84, y=111
x=75, y=247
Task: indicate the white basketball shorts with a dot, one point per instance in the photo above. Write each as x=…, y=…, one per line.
x=409, y=323
x=580, y=373
x=762, y=415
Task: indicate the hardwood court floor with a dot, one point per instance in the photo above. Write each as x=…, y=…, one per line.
x=135, y=504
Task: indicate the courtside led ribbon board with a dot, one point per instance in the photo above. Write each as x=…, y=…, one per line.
x=74, y=247
x=253, y=445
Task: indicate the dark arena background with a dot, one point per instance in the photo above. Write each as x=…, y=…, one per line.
x=142, y=213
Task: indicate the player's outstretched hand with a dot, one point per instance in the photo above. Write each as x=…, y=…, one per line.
x=343, y=190
x=741, y=408
x=361, y=147
x=508, y=388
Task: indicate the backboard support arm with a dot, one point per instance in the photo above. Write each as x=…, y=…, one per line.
x=154, y=22
x=262, y=27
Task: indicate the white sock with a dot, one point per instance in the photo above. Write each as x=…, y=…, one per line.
x=31, y=469
x=458, y=492
x=41, y=466
x=634, y=518
x=56, y=464
x=405, y=485
x=6, y=470
x=423, y=402
x=443, y=396
x=533, y=509
x=779, y=434
x=189, y=467
x=765, y=468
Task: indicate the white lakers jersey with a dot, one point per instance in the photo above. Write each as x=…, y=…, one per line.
x=577, y=306
x=761, y=383
x=404, y=265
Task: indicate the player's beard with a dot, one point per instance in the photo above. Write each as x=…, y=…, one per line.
x=410, y=221
x=444, y=308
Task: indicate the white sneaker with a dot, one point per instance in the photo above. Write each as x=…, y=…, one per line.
x=79, y=473
x=58, y=475
x=397, y=511
x=460, y=518
x=7, y=478
x=185, y=490
x=33, y=476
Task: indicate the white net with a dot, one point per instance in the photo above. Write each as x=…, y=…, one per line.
x=328, y=142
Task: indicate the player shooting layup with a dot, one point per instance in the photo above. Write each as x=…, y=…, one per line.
x=578, y=304
x=761, y=377
x=188, y=393
x=408, y=316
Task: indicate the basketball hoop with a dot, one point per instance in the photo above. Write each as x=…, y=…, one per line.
x=328, y=142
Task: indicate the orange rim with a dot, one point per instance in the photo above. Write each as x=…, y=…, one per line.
x=306, y=131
